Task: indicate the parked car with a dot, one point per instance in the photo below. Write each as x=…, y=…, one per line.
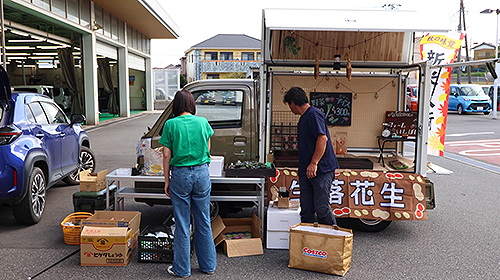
x=468, y=98
x=60, y=95
x=39, y=147
x=411, y=97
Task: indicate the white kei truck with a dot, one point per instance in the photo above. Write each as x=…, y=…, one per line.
x=354, y=65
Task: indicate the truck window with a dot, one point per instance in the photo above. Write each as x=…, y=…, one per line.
x=222, y=108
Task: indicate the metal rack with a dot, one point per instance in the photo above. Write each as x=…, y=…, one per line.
x=117, y=178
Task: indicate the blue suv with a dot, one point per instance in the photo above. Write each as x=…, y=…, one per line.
x=39, y=147
x=468, y=98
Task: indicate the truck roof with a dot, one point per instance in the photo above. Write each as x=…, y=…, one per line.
x=352, y=20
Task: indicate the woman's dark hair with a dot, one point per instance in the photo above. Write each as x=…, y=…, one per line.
x=297, y=95
x=183, y=102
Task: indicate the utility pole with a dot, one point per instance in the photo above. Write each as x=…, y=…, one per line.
x=459, y=29
x=467, y=58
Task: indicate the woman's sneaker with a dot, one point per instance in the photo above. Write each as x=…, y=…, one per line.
x=171, y=272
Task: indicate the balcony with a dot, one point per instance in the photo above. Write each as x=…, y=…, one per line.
x=224, y=66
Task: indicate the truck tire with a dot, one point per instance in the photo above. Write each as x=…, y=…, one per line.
x=86, y=160
x=460, y=109
x=368, y=225
x=30, y=210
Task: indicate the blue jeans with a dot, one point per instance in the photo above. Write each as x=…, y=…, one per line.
x=314, y=199
x=190, y=188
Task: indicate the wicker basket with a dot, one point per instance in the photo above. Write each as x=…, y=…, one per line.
x=72, y=232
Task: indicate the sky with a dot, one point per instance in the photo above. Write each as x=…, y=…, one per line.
x=200, y=20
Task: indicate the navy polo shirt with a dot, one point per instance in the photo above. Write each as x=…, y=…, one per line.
x=311, y=124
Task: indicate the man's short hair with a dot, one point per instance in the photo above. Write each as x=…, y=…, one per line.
x=297, y=95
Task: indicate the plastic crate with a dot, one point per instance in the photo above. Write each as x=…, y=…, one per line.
x=72, y=232
x=157, y=249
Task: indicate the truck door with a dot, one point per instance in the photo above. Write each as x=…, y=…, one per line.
x=227, y=111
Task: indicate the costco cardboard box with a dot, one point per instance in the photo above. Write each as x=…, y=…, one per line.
x=92, y=182
x=106, y=246
x=241, y=247
x=116, y=227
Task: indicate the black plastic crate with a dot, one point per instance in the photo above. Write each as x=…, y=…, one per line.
x=156, y=249
x=91, y=201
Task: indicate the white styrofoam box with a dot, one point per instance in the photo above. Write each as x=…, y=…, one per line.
x=278, y=239
x=281, y=219
x=216, y=167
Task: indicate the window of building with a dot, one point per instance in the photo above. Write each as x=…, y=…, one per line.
x=258, y=55
x=59, y=7
x=44, y=4
x=226, y=56
x=222, y=108
x=212, y=76
x=114, y=27
x=210, y=55
x=73, y=11
x=85, y=13
x=106, y=18
x=247, y=56
x=98, y=17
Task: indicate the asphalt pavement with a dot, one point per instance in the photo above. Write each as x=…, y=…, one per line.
x=458, y=241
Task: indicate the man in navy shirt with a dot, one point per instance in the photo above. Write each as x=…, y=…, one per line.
x=317, y=161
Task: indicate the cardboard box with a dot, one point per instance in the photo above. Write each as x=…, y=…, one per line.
x=283, y=202
x=125, y=219
x=106, y=246
x=216, y=166
x=242, y=247
x=92, y=182
x=217, y=227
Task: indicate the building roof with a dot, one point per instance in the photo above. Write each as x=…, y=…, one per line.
x=147, y=16
x=484, y=45
x=228, y=41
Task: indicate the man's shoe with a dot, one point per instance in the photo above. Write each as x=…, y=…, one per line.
x=209, y=272
x=171, y=272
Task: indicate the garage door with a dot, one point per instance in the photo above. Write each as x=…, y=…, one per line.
x=106, y=50
x=136, y=62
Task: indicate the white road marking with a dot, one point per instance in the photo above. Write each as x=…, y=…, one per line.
x=467, y=134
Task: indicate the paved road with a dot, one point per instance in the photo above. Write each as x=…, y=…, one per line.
x=458, y=241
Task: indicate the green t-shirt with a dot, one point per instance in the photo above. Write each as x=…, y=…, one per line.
x=187, y=137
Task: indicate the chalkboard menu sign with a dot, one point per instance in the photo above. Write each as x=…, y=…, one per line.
x=336, y=107
x=401, y=123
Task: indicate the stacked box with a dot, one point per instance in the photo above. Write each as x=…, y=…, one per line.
x=109, y=237
x=279, y=222
x=91, y=201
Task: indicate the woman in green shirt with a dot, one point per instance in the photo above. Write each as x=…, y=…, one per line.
x=186, y=141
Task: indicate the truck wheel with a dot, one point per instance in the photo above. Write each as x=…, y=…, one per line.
x=86, y=160
x=30, y=210
x=368, y=225
x=486, y=113
x=460, y=109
